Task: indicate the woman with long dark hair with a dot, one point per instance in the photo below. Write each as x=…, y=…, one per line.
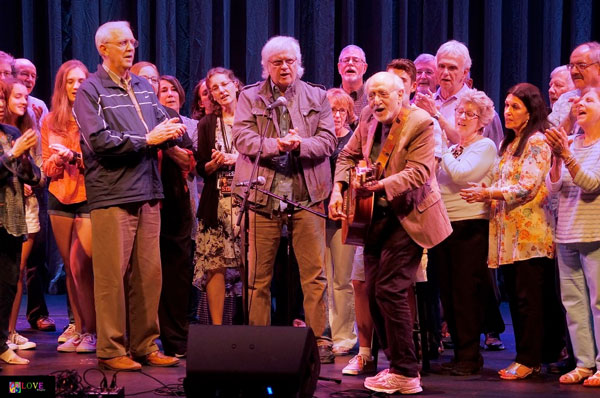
x=521, y=224
x=67, y=204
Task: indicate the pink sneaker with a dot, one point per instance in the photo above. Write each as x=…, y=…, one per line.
x=390, y=383
x=359, y=365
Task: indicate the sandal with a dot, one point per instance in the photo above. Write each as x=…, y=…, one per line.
x=516, y=371
x=576, y=376
x=11, y=358
x=593, y=381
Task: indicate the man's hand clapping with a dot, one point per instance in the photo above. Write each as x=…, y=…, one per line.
x=167, y=130
x=290, y=142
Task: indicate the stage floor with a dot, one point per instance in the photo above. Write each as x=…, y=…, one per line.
x=45, y=359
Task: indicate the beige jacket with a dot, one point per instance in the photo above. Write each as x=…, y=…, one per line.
x=409, y=178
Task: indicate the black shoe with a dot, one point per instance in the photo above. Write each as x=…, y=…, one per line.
x=326, y=354
x=466, y=368
x=448, y=366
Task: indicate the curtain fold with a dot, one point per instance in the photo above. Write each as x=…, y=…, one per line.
x=510, y=40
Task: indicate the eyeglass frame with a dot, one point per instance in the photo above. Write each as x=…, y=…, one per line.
x=581, y=66
x=355, y=60
x=458, y=113
x=278, y=63
x=133, y=42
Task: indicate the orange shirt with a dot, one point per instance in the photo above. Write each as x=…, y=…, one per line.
x=67, y=182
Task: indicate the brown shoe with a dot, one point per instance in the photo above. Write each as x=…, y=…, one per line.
x=119, y=363
x=157, y=358
x=45, y=324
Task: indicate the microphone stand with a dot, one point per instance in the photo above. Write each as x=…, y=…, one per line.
x=244, y=213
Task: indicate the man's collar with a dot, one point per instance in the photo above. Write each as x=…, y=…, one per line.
x=120, y=81
x=289, y=92
x=438, y=93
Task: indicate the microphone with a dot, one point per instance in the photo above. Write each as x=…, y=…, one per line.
x=281, y=101
x=260, y=180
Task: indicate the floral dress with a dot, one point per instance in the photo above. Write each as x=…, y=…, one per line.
x=522, y=225
x=219, y=247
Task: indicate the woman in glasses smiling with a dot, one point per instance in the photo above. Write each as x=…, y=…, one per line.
x=462, y=258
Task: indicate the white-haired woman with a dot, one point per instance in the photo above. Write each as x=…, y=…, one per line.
x=462, y=258
x=575, y=175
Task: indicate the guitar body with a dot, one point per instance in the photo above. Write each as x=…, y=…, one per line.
x=359, y=212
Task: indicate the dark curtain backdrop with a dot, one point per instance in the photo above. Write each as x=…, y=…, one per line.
x=510, y=40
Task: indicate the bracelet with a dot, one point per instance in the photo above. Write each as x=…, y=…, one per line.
x=570, y=161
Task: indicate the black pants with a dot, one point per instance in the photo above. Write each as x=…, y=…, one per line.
x=36, y=271
x=391, y=261
x=177, y=273
x=10, y=258
x=465, y=284
x=532, y=298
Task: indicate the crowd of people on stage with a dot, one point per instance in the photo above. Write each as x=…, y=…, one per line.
x=454, y=191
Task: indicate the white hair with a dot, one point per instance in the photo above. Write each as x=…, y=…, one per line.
x=104, y=32
x=389, y=78
x=280, y=44
x=353, y=47
x=559, y=69
x=425, y=57
x=455, y=48
x=20, y=62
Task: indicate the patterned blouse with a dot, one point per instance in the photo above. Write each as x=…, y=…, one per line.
x=521, y=226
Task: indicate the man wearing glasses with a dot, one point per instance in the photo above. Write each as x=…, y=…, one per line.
x=585, y=72
x=122, y=127
x=295, y=163
x=26, y=72
x=352, y=66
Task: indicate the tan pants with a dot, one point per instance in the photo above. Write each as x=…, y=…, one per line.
x=127, y=278
x=308, y=240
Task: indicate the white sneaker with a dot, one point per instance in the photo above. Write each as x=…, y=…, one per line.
x=21, y=342
x=359, y=365
x=11, y=358
x=11, y=345
x=390, y=383
x=67, y=333
x=70, y=345
x=87, y=343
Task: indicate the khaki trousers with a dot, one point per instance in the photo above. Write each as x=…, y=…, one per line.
x=308, y=240
x=127, y=278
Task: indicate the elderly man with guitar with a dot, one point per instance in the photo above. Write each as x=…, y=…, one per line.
x=396, y=142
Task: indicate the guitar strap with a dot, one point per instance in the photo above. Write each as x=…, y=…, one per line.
x=391, y=141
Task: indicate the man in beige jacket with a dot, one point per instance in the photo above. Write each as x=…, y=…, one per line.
x=408, y=216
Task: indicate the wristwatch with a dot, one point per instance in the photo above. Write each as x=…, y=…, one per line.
x=437, y=115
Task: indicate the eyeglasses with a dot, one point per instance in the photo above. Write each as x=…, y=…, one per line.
x=221, y=86
x=27, y=74
x=151, y=79
x=343, y=112
x=468, y=114
x=580, y=66
x=355, y=60
x=123, y=43
x=279, y=62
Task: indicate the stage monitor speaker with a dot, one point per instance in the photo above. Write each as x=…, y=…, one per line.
x=251, y=361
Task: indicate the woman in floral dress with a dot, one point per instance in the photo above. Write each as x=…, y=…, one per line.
x=521, y=225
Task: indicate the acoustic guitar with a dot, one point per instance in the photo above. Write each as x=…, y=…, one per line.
x=358, y=208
